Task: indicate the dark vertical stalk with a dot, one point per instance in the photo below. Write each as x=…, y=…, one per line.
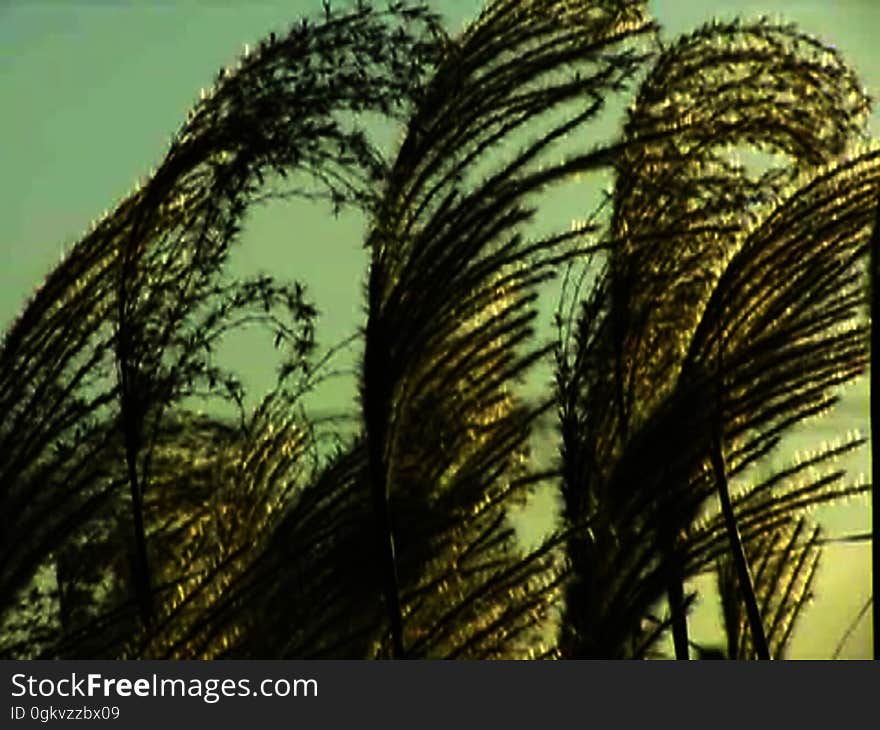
x=741, y=565
x=131, y=409
x=386, y=547
x=674, y=581
x=377, y=398
x=873, y=285
x=141, y=564
x=675, y=596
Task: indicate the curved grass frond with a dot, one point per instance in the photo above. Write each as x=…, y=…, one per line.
x=703, y=253
x=451, y=286
x=126, y=325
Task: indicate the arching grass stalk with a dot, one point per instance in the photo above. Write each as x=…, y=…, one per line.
x=741, y=566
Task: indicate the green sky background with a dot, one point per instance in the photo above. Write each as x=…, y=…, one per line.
x=91, y=92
